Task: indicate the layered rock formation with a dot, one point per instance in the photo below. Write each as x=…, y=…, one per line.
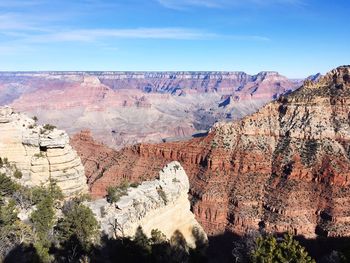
x=284, y=168
x=123, y=108
x=159, y=204
x=41, y=153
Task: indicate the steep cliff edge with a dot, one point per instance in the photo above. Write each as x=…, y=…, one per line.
x=161, y=204
x=284, y=168
x=41, y=153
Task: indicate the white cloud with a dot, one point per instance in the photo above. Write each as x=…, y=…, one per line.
x=11, y=21
x=23, y=29
x=90, y=35
x=96, y=35
x=181, y=4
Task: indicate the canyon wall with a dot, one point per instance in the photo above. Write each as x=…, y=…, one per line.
x=284, y=168
x=124, y=108
x=41, y=153
x=158, y=204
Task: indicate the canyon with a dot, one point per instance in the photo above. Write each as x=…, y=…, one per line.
x=33, y=155
x=124, y=108
x=284, y=168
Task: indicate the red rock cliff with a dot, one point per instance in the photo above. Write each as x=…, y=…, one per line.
x=284, y=168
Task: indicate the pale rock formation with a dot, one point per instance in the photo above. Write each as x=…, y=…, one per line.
x=147, y=207
x=41, y=154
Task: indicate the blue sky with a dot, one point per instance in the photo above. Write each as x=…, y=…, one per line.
x=294, y=37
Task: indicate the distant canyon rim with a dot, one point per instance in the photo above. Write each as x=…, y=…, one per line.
x=124, y=108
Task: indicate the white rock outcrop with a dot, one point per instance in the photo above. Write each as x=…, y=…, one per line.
x=159, y=204
x=40, y=153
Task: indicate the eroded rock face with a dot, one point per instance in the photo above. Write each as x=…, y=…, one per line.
x=40, y=153
x=124, y=108
x=284, y=168
x=158, y=204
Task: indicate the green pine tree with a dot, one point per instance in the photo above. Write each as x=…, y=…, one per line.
x=269, y=250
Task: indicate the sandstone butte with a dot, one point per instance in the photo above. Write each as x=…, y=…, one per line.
x=40, y=152
x=43, y=153
x=283, y=168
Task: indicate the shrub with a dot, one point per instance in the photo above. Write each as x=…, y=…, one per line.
x=78, y=222
x=43, y=218
x=157, y=237
x=17, y=174
x=114, y=193
x=39, y=155
x=269, y=249
x=175, y=180
x=162, y=195
x=134, y=185
x=7, y=186
x=49, y=127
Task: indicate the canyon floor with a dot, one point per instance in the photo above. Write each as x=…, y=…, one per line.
x=124, y=108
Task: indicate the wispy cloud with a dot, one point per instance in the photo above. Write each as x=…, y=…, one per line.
x=22, y=31
x=32, y=33
x=14, y=21
x=184, y=4
x=181, y=4
x=90, y=35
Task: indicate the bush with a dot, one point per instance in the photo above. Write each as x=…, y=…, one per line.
x=39, y=155
x=134, y=185
x=157, y=237
x=114, y=193
x=40, y=193
x=17, y=174
x=49, y=127
x=3, y=162
x=162, y=195
x=78, y=222
x=13, y=232
x=7, y=186
x=43, y=218
x=269, y=250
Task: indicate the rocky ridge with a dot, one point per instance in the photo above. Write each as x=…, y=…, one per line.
x=284, y=168
x=151, y=205
x=41, y=153
x=123, y=108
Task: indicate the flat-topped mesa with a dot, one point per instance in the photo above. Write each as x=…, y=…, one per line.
x=40, y=152
x=161, y=204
